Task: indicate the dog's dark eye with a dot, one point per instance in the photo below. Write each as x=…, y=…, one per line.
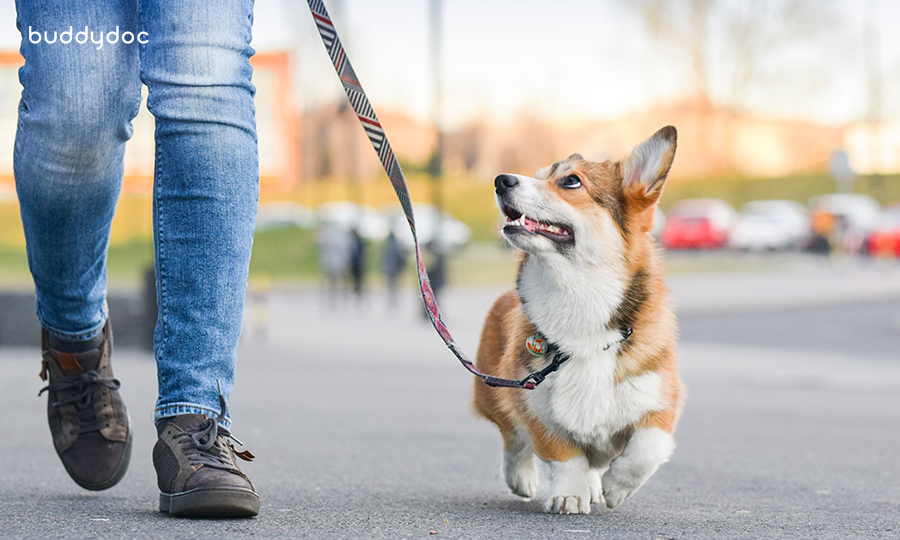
x=570, y=182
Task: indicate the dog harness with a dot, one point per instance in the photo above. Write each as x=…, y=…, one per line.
x=537, y=345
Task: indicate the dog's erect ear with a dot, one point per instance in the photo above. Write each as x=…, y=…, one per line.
x=648, y=164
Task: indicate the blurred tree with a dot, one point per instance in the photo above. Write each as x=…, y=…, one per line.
x=736, y=51
x=732, y=46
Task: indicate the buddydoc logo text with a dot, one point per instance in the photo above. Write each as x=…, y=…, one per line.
x=83, y=36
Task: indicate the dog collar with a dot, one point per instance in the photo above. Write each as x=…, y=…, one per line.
x=537, y=345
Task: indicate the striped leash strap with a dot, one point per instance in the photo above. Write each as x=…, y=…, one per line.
x=379, y=141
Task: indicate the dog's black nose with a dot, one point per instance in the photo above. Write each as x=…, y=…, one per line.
x=504, y=182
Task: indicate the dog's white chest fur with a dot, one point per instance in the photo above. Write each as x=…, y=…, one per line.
x=582, y=399
x=584, y=402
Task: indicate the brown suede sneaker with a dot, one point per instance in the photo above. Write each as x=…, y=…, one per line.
x=87, y=417
x=196, y=470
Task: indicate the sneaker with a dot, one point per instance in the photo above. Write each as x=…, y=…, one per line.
x=87, y=417
x=196, y=470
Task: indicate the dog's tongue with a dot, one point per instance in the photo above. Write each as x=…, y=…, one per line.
x=529, y=224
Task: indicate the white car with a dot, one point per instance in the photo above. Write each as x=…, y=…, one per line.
x=283, y=215
x=370, y=224
x=770, y=225
x=454, y=233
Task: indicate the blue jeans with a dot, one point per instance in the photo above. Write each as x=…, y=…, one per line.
x=74, y=120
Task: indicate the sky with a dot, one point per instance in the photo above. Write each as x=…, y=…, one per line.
x=569, y=59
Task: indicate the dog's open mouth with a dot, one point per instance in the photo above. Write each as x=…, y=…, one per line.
x=517, y=222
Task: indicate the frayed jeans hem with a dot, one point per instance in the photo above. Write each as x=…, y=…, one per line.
x=177, y=409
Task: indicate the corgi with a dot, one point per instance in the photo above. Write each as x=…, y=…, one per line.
x=589, y=298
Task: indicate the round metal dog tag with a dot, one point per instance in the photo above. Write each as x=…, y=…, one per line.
x=536, y=345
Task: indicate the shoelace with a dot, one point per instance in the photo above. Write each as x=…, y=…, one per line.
x=83, y=390
x=202, y=444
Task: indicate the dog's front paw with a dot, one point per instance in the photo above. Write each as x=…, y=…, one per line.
x=570, y=492
x=523, y=481
x=568, y=504
x=616, y=493
x=645, y=452
x=520, y=472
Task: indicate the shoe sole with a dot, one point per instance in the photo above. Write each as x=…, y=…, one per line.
x=211, y=503
x=121, y=469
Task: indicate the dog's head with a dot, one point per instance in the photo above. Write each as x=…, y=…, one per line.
x=576, y=208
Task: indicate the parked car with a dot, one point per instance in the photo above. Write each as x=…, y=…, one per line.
x=844, y=219
x=770, y=225
x=698, y=224
x=884, y=240
x=283, y=215
x=454, y=233
x=369, y=223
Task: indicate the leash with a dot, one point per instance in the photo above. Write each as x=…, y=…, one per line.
x=377, y=137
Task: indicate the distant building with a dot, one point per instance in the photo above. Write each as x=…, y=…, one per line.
x=874, y=149
x=278, y=127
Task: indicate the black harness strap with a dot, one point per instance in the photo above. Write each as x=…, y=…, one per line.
x=558, y=357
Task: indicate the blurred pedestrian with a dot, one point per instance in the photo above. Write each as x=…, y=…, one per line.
x=839, y=232
x=822, y=229
x=357, y=262
x=259, y=296
x=333, y=243
x=393, y=263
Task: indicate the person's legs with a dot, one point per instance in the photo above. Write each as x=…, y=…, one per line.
x=74, y=118
x=196, y=67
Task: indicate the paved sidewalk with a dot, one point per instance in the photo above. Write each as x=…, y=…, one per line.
x=362, y=427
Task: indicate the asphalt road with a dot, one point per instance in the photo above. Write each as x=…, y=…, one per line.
x=867, y=330
x=362, y=429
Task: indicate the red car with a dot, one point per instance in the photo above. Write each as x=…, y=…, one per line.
x=884, y=240
x=698, y=224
